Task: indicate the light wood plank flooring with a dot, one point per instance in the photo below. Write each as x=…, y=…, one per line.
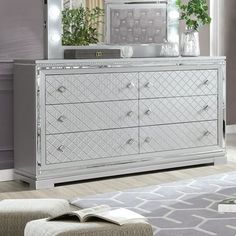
x=13, y=189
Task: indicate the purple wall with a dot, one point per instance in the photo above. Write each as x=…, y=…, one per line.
x=21, y=36
x=228, y=48
x=21, y=27
x=6, y=129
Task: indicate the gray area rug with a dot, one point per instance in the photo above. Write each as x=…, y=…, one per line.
x=185, y=208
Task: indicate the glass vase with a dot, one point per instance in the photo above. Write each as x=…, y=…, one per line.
x=190, y=46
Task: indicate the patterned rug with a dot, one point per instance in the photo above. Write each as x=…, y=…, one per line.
x=185, y=208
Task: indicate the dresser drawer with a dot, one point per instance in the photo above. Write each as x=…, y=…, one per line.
x=91, y=145
x=178, y=83
x=178, y=136
x=91, y=87
x=178, y=109
x=91, y=116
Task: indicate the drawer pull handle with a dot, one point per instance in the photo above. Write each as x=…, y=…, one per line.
x=205, y=108
x=207, y=133
x=148, y=140
x=206, y=82
x=130, y=85
x=148, y=112
x=62, y=89
x=130, y=113
x=61, y=119
x=148, y=85
x=130, y=141
x=61, y=148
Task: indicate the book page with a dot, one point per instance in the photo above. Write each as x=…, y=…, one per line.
x=67, y=216
x=118, y=216
x=91, y=211
x=80, y=214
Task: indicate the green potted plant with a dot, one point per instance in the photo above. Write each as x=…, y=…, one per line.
x=195, y=14
x=80, y=26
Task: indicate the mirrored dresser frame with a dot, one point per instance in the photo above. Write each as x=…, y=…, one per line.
x=53, y=28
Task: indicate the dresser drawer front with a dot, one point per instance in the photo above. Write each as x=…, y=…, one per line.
x=91, y=145
x=178, y=83
x=178, y=109
x=91, y=116
x=91, y=87
x=178, y=136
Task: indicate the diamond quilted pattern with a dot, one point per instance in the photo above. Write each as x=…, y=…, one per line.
x=90, y=102
x=91, y=116
x=132, y=25
x=178, y=83
x=91, y=145
x=179, y=109
x=91, y=87
x=178, y=136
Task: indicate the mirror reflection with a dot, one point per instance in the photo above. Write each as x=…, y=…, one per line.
x=83, y=22
x=150, y=27
x=126, y=22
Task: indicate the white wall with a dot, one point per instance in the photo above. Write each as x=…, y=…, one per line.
x=78, y=3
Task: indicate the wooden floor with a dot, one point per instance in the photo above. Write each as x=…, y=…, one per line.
x=13, y=189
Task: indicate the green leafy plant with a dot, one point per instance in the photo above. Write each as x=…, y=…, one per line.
x=194, y=13
x=80, y=26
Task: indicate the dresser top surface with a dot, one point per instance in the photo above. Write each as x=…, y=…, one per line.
x=126, y=61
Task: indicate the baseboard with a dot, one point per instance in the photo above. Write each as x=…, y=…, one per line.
x=231, y=129
x=6, y=175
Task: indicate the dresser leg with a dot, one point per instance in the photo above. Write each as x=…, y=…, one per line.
x=44, y=184
x=34, y=184
x=220, y=160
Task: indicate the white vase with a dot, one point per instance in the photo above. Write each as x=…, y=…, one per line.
x=190, y=46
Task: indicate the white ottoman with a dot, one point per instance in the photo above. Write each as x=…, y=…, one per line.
x=15, y=214
x=73, y=228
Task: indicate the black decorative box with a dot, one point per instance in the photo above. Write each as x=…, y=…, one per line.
x=92, y=53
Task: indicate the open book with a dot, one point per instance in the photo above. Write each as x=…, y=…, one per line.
x=227, y=205
x=118, y=216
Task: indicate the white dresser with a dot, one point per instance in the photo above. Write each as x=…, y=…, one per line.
x=83, y=119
